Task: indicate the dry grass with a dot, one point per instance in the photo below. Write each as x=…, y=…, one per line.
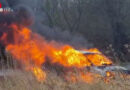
x=21, y=80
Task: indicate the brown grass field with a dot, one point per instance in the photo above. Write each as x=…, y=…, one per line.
x=21, y=80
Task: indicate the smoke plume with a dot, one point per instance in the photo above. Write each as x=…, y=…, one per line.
x=29, y=13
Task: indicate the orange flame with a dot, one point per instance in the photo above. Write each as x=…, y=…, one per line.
x=69, y=57
x=98, y=59
x=109, y=76
x=87, y=77
x=39, y=73
x=31, y=49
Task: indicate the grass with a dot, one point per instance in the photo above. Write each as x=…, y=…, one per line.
x=21, y=80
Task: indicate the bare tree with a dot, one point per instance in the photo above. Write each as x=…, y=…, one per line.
x=114, y=11
x=64, y=13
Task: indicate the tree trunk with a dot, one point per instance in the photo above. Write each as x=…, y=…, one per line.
x=119, y=39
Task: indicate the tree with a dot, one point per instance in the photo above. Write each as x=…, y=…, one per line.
x=114, y=11
x=65, y=14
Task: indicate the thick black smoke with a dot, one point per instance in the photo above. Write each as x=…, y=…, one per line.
x=21, y=15
x=29, y=13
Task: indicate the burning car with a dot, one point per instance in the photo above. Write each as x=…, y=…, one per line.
x=33, y=50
